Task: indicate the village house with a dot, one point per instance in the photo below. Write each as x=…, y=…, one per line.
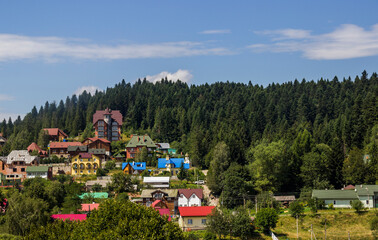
x=88, y=207
x=156, y=182
x=98, y=143
x=13, y=167
x=55, y=134
x=70, y=217
x=85, y=163
x=75, y=150
x=163, y=198
x=133, y=167
x=33, y=147
x=172, y=165
x=194, y=218
x=137, y=142
x=60, y=149
x=39, y=171
x=190, y=197
x=107, y=124
x=162, y=148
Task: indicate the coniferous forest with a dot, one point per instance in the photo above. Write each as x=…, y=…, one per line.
x=282, y=137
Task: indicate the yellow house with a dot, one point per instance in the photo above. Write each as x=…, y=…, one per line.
x=85, y=163
x=194, y=218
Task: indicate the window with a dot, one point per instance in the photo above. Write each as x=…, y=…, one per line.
x=22, y=169
x=89, y=171
x=190, y=221
x=115, y=128
x=14, y=169
x=203, y=221
x=367, y=202
x=100, y=123
x=100, y=128
x=334, y=202
x=94, y=171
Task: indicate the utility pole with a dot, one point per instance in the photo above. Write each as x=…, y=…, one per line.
x=256, y=203
x=311, y=231
x=325, y=229
x=297, y=229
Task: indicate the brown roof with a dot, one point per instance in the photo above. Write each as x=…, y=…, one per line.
x=55, y=131
x=115, y=114
x=34, y=147
x=85, y=155
x=189, y=192
x=97, y=139
x=64, y=144
x=284, y=198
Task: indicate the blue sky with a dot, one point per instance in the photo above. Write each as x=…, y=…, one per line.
x=53, y=49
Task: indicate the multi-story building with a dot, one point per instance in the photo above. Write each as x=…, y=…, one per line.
x=13, y=167
x=137, y=142
x=98, y=143
x=85, y=163
x=108, y=124
x=60, y=149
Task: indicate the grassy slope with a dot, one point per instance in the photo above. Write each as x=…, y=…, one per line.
x=339, y=223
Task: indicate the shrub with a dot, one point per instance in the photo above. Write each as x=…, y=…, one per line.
x=296, y=209
x=266, y=219
x=330, y=206
x=210, y=236
x=357, y=206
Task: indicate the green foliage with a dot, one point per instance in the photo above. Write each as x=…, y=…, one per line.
x=357, y=205
x=101, y=172
x=113, y=220
x=142, y=155
x=218, y=165
x=315, y=204
x=43, y=139
x=183, y=173
x=96, y=187
x=122, y=182
x=374, y=223
x=266, y=219
x=354, y=167
x=110, y=165
x=296, y=209
x=266, y=200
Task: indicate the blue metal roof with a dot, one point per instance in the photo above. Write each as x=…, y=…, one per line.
x=135, y=165
x=176, y=161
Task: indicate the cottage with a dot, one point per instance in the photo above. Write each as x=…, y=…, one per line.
x=136, y=144
x=85, y=163
x=13, y=167
x=98, y=143
x=285, y=200
x=190, y=197
x=156, y=182
x=172, y=165
x=162, y=148
x=163, y=198
x=107, y=124
x=39, y=171
x=55, y=134
x=33, y=147
x=194, y=218
x=133, y=167
x=60, y=149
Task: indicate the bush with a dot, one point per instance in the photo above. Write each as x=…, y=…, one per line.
x=266, y=219
x=330, y=206
x=296, y=209
x=210, y=236
x=357, y=206
x=109, y=165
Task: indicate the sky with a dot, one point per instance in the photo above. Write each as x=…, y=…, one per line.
x=53, y=49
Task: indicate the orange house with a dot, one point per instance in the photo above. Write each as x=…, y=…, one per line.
x=55, y=134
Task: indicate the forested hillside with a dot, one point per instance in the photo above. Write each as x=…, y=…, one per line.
x=287, y=135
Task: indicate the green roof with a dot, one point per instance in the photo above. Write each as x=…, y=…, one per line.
x=118, y=156
x=95, y=195
x=335, y=194
x=141, y=140
x=77, y=148
x=37, y=169
x=364, y=190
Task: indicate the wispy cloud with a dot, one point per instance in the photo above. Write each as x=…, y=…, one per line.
x=90, y=89
x=346, y=42
x=216, y=31
x=15, y=47
x=5, y=97
x=182, y=75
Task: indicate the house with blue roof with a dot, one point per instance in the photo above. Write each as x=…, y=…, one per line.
x=133, y=167
x=172, y=165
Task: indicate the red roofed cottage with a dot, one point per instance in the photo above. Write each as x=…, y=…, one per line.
x=194, y=218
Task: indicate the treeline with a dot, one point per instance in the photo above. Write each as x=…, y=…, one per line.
x=298, y=115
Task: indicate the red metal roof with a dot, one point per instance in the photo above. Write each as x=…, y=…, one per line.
x=89, y=207
x=189, y=192
x=115, y=114
x=85, y=155
x=195, y=211
x=71, y=217
x=55, y=131
x=64, y=144
x=163, y=212
x=34, y=147
x=98, y=139
x=155, y=202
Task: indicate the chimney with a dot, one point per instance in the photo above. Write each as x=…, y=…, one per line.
x=167, y=157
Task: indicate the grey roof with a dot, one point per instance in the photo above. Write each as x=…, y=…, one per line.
x=164, y=145
x=335, y=194
x=155, y=179
x=170, y=192
x=77, y=148
x=284, y=198
x=364, y=190
x=141, y=140
x=96, y=151
x=20, y=155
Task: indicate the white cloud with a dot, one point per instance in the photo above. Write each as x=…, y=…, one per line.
x=182, y=75
x=14, y=116
x=5, y=97
x=346, y=42
x=90, y=89
x=14, y=47
x=216, y=31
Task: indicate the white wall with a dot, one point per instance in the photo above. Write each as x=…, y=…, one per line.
x=363, y=199
x=36, y=174
x=192, y=201
x=338, y=203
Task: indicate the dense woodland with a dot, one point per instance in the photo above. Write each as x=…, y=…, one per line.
x=280, y=138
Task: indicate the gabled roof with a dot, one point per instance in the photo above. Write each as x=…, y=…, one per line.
x=335, y=194
x=95, y=195
x=141, y=141
x=162, y=162
x=83, y=148
x=202, y=211
x=99, y=151
x=189, y=192
x=147, y=193
x=97, y=139
x=20, y=155
x=163, y=145
x=89, y=207
x=135, y=165
x=34, y=147
x=156, y=179
x=364, y=190
x=37, y=169
x=115, y=114
x=55, y=131
x=71, y=217
x=64, y=144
